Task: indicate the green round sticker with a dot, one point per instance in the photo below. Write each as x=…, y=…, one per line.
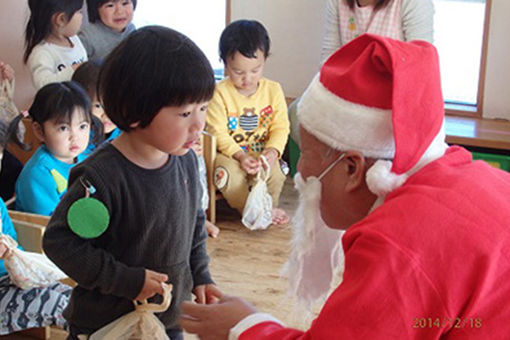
x=88, y=217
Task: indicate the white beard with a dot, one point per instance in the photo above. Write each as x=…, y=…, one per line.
x=316, y=261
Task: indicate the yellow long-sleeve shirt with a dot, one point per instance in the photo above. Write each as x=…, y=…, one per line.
x=252, y=123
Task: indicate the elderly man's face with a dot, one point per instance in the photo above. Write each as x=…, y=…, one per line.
x=345, y=199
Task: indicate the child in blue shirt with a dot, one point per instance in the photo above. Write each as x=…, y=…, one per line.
x=61, y=120
x=87, y=76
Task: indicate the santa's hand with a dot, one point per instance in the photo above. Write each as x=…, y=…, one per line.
x=208, y=293
x=213, y=322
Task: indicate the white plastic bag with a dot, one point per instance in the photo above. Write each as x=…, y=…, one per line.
x=8, y=111
x=140, y=324
x=258, y=210
x=29, y=270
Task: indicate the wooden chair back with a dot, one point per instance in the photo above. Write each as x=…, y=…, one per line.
x=209, y=151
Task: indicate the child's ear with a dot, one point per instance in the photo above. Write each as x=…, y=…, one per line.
x=38, y=131
x=59, y=20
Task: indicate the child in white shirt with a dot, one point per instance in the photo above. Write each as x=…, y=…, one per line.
x=52, y=49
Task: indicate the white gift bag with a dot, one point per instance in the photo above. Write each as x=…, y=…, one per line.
x=29, y=270
x=258, y=210
x=140, y=324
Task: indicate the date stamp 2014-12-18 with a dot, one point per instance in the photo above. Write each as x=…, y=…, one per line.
x=447, y=322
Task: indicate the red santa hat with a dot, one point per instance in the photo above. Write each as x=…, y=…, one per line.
x=382, y=97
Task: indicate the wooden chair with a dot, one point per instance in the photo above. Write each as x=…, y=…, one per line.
x=209, y=151
x=40, y=220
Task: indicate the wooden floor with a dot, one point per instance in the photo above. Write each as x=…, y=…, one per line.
x=246, y=263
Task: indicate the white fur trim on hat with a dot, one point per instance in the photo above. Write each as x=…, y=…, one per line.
x=345, y=125
x=380, y=180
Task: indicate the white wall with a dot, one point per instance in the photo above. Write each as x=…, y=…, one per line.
x=296, y=28
x=13, y=18
x=497, y=78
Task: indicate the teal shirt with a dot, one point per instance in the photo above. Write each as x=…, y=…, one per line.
x=93, y=146
x=7, y=229
x=42, y=182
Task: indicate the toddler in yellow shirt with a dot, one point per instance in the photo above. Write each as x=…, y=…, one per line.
x=248, y=116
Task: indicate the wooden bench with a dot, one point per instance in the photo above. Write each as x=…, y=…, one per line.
x=476, y=132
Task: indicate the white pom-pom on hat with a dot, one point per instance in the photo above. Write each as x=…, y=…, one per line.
x=381, y=181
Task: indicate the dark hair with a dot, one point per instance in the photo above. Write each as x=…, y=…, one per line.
x=153, y=68
x=379, y=4
x=57, y=101
x=245, y=37
x=87, y=75
x=39, y=23
x=93, y=6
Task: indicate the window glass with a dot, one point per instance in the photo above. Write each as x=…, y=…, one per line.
x=201, y=20
x=458, y=35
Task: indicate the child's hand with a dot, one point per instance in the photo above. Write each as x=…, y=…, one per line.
x=248, y=163
x=75, y=66
x=153, y=285
x=271, y=155
x=207, y=294
x=6, y=71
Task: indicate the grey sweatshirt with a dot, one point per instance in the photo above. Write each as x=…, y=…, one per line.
x=156, y=222
x=99, y=40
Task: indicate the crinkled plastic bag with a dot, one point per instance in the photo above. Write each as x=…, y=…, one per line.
x=140, y=324
x=29, y=270
x=258, y=210
x=8, y=111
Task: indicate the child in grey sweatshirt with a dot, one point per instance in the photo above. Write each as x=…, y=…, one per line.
x=109, y=24
x=132, y=217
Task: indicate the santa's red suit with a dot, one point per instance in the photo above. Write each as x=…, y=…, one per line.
x=432, y=262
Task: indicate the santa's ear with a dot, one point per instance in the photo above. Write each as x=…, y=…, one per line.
x=355, y=169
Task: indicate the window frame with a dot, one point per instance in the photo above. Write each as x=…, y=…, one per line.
x=476, y=111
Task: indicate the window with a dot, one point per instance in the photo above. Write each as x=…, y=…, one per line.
x=201, y=20
x=458, y=36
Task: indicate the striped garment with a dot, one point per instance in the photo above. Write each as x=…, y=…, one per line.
x=38, y=307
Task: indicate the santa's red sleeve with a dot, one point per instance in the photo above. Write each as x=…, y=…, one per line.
x=385, y=294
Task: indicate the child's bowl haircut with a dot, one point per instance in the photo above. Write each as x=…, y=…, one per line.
x=245, y=37
x=154, y=67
